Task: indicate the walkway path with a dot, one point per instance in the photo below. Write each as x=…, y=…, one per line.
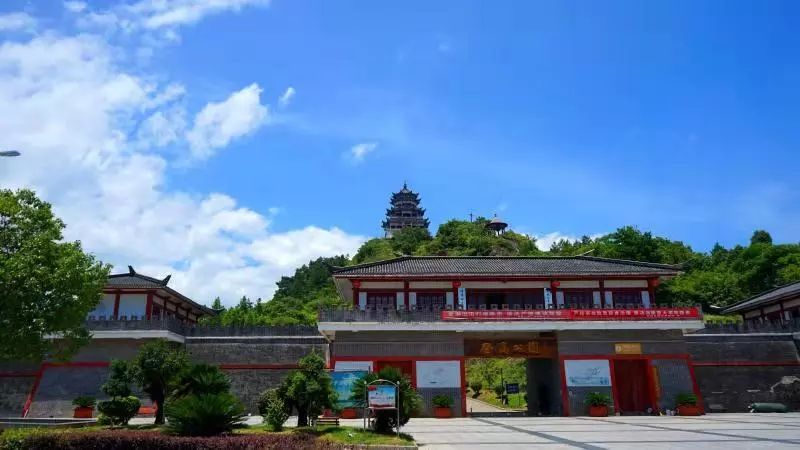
x=710, y=432
x=475, y=405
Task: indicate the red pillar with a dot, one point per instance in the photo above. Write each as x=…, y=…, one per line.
x=356, y=288
x=116, y=305
x=148, y=308
x=406, y=291
x=651, y=288
x=463, y=389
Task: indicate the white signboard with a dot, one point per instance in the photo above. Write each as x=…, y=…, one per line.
x=587, y=372
x=462, y=297
x=342, y=366
x=548, y=298
x=438, y=374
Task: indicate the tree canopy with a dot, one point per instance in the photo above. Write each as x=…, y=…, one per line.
x=48, y=286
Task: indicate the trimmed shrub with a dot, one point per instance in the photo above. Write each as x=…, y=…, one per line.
x=17, y=438
x=124, y=440
x=273, y=409
x=204, y=415
x=119, y=410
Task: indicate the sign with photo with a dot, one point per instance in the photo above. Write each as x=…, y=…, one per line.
x=587, y=372
x=382, y=396
x=343, y=382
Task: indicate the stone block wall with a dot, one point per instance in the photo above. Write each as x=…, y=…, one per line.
x=13, y=394
x=735, y=370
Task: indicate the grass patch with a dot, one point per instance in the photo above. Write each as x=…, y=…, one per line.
x=515, y=401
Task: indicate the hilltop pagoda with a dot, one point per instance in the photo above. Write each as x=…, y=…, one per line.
x=405, y=212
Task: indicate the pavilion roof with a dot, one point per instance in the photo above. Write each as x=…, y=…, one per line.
x=764, y=298
x=134, y=280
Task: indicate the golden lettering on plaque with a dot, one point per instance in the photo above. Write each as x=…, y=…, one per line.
x=502, y=348
x=487, y=348
x=533, y=347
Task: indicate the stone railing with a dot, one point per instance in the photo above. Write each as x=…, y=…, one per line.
x=201, y=330
x=791, y=326
x=166, y=324
x=251, y=330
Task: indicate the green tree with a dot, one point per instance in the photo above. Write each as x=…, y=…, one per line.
x=48, y=286
x=408, y=240
x=761, y=237
x=217, y=305
x=409, y=400
x=156, y=369
x=374, y=250
x=202, y=379
x=308, y=389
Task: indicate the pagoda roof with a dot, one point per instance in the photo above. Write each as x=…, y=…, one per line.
x=506, y=266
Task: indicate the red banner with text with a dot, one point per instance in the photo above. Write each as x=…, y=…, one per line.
x=681, y=313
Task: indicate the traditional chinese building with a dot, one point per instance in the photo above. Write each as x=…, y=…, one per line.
x=781, y=304
x=134, y=296
x=584, y=324
x=404, y=212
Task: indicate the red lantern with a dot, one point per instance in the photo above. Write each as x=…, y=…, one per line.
x=356, y=284
x=456, y=284
x=555, y=284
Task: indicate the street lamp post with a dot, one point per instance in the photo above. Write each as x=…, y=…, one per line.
x=9, y=153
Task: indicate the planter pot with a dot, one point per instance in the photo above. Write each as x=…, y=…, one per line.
x=689, y=410
x=442, y=413
x=83, y=412
x=598, y=411
x=349, y=413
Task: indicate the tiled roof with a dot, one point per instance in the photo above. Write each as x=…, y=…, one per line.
x=506, y=265
x=779, y=293
x=133, y=280
x=136, y=281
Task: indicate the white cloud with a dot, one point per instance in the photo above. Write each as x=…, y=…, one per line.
x=287, y=96
x=17, y=21
x=218, y=123
x=545, y=241
x=89, y=129
x=74, y=6
x=358, y=152
x=159, y=13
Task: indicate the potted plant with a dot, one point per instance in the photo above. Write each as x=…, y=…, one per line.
x=84, y=407
x=687, y=404
x=598, y=404
x=441, y=406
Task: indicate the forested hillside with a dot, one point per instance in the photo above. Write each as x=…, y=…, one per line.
x=720, y=277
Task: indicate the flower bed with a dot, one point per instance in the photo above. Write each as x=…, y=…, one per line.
x=122, y=440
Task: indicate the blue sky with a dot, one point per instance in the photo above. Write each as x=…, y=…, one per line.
x=565, y=118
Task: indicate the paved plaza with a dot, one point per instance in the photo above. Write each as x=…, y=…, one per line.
x=712, y=431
